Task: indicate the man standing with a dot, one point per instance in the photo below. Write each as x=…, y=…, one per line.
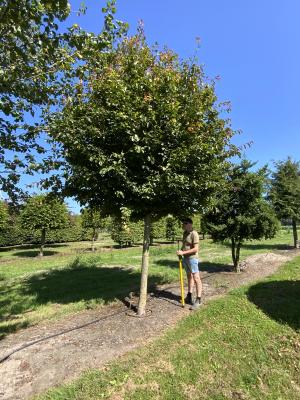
x=189, y=251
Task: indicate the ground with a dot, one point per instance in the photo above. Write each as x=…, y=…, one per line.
x=53, y=353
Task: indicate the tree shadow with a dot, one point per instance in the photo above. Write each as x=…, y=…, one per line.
x=167, y=296
x=203, y=266
x=266, y=246
x=91, y=285
x=33, y=253
x=29, y=247
x=280, y=300
x=262, y=246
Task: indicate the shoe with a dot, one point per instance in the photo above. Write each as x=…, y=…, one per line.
x=188, y=299
x=196, y=304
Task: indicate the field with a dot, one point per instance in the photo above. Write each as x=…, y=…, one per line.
x=242, y=346
x=71, y=278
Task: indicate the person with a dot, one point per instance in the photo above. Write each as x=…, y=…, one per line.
x=190, y=254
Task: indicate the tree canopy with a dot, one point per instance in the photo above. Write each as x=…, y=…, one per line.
x=284, y=192
x=143, y=133
x=44, y=213
x=38, y=62
x=240, y=211
x=3, y=214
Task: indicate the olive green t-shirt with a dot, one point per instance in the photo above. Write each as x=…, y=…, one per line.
x=188, y=242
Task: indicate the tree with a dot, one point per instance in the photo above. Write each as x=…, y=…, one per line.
x=38, y=62
x=44, y=213
x=30, y=43
x=125, y=231
x=284, y=192
x=3, y=214
x=240, y=212
x=93, y=219
x=173, y=228
x=145, y=135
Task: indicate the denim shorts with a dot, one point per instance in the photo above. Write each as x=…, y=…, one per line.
x=191, y=265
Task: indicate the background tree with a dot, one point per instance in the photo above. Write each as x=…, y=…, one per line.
x=240, y=212
x=173, y=228
x=92, y=218
x=284, y=192
x=123, y=230
x=44, y=213
x=3, y=214
x=145, y=134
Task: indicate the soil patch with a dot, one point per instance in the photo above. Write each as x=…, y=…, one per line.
x=53, y=353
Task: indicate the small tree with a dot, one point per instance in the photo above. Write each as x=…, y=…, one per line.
x=92, y=219
x=284, y=192
x=173, y=228
x=240, y=212
x=44, y=213
x=125, y=231
x=144, y=134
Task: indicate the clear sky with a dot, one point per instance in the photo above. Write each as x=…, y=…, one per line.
x=253, y=45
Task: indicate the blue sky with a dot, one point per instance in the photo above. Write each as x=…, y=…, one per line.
x=252, y=45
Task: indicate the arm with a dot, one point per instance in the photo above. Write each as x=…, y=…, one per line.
x=191, y=251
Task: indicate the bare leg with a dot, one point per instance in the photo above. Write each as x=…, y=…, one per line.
x=197, y=280
x=190, y=280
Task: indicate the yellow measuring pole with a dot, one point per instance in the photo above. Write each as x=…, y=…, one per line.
x=181, y=281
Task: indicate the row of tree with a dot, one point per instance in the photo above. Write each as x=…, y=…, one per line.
x=248, y=206
x=43, y=219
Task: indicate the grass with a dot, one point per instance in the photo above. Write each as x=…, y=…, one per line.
x=243, y=346
x=34, y=289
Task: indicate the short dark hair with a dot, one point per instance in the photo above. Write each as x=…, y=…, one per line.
x=187, y=220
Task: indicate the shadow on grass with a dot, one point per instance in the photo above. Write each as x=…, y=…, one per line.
x=280, y=300
x=278, y=246
x=33, y=253
x=88, y=284
x=11, y=328
x=262, y=246
x=30, y=247
x=203, y=266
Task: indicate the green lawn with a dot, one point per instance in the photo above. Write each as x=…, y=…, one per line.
x=243, y=346
x=34, y=289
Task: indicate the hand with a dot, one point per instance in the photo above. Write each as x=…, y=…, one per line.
x=179, y=252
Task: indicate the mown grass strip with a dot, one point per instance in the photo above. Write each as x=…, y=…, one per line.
x=243, y=346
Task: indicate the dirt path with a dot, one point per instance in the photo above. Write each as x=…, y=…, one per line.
x=57, y=352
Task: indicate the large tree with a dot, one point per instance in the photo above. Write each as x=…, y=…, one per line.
x=240, y=211
x=44, y=213
x=143, y=133
x=38, y=62
x=284, y=192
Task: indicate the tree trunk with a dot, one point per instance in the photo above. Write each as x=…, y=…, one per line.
x=145, y=265
x=235, y=252
x=295, y=234
x=237, y=257
x=43, y=239
x=93, y=239
x=151, y=240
